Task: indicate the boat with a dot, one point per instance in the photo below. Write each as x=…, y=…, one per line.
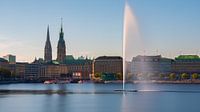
x=56, y=82
x=49, y=82
x=62, y=82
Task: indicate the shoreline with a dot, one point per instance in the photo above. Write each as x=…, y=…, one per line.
x=169, y=82
x=118, y=82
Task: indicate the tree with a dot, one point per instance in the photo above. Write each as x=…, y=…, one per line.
x=184, y=76
x=161, y=76
x=119, y=76
x=97, y=75
x=4, y=73
x=172, y=76
x=195, y=76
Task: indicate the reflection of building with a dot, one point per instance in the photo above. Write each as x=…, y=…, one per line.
x=186, y=64
x=150, y=64
x=108, y=64
x=11, y=58
x=79, y=68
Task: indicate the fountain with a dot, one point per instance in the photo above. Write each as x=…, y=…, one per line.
x=131, y=38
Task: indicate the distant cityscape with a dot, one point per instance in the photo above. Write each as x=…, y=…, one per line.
x=100, y=69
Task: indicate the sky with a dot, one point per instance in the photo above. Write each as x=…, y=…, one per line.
x=95, y=27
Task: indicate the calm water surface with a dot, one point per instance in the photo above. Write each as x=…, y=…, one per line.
x=103, y=98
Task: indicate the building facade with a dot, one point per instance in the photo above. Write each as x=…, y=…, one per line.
x=186, y=64
x=20, y=70
x=3, y=63
x=32, y=71
x=52, y=71
x=150, y=65
x=108, y=64
x=79, y=68
x=11, y=58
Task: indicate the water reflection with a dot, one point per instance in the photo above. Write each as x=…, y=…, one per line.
x=103, y=99
x=124, y=103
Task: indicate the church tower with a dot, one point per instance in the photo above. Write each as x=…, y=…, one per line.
x=48, y=49
x=61, y=48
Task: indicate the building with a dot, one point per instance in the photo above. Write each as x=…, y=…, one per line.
x=108, y=64
x=186, y=64
x=61, y=48
x=53, y=71
x=32, y=71
x=150, y=65
x=48, y=49
x=3, y=63
x=17, y=69
x=20, y=69
x=11, y=58
x=80, y=68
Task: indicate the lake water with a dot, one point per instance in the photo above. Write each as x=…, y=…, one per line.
x=103, y=98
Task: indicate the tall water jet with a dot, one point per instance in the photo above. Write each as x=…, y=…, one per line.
x=131, y=38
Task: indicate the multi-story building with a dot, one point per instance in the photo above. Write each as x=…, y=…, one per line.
x=32, y=71
x=11, y=58
x=20, y=69
x=108, y=64
x=3, y=63
x=52, y=71
x=17, y=70
x=186, y=64
x=150, y=64
x=79, y=68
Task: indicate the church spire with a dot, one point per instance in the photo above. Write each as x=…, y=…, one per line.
x=61, y=25
x=61, y=48
x=48, y=36
x=48, y=49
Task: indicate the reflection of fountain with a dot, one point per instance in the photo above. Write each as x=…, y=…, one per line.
x=131, y=40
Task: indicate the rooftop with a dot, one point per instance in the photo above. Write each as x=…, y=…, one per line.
x=108, y=57
x=187, y=57
x=3, y=60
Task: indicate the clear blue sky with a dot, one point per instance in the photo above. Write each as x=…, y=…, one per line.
x=94, y=27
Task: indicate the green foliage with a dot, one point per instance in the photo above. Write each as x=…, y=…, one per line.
x=161, y=76
x=188, y=57
x=149, y=75
x=185, y=76
x=108, y=76
x=172, y=76
x=5, y=73
x=195, y=76
x=119, y=76
x=97, y=75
